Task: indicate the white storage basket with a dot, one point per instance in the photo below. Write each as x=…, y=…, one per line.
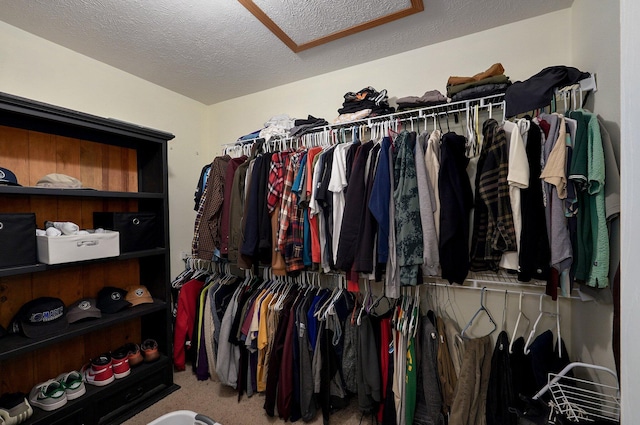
x=183, y=417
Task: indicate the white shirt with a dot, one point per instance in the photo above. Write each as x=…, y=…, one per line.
x=518, y=178
x=337, y=183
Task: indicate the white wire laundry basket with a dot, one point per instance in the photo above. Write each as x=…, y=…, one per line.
x=582, y=400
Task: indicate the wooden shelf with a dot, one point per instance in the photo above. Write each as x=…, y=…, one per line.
x=14, y=345
x=36, y=268
x=77, y=193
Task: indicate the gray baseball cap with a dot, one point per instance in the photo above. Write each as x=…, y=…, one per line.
x=84, y=308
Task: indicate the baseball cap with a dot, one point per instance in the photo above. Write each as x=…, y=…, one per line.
x=59, y=181
x=84, y=308
x=40, y=317
x=7, y=177
x=138, y=295
x=111, y=300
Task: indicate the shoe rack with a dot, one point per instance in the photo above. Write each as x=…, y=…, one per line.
x=125, y=166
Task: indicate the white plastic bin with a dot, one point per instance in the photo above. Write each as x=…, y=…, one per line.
x=183, y=417
x=70, y=248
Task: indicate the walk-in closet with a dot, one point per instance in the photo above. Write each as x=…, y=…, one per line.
x=411, y=212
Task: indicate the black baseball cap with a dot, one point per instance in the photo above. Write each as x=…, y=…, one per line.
x=7, y=177
x=40, y=317
x=111, y=299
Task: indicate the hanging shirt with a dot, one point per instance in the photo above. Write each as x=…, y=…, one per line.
x=365, y=260
x=493, y=230
x=206, y=237
x=557, y=229
x=355, y=207
x=518, y=179
x=430, y=257
x=432, y=162
x=588, y=167
x=325, y=200
x=456, y=201
x=312, y=161
x=408, y=227
x=337, y=184
x=225, y=220
x=380, y=198
x=535, y=254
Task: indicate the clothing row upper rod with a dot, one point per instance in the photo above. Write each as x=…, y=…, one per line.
x=496, y=100
x=501, y=290
x=493, y=101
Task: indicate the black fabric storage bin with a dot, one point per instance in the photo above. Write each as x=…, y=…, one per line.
x=138, y=230
x=17, y=239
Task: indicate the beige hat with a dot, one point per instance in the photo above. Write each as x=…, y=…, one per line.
x=59, y=181
x=138, y=295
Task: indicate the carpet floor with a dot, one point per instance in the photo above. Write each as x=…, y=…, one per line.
x=221, y=404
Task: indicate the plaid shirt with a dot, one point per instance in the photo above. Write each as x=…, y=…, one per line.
x=209, y=210
x=275, y=185
x=291, y=221
x=493, y=229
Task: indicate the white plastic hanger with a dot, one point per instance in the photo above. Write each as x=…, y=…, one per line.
x=482, y=309
x=415, y=313
x=520, y=316
x=365, y=300
x=527, y=347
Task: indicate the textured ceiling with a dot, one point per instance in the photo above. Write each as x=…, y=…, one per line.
x=214, y=50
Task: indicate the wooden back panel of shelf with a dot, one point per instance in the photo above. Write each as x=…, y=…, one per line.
x=32, y=155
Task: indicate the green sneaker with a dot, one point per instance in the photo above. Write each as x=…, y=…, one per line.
x=73, y=384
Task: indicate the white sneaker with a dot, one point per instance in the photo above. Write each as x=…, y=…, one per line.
x=14, y=409
x=73, y=384
x=48, y=395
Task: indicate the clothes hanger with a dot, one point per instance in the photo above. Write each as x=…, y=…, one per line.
x=527, y=347
x=482, y=309
x=520, y=316
x=364, y=304
x=327, y=308
x=504, y=317
x=321, y=308
x=376, y=304
x=415, y=308
x=448, y=304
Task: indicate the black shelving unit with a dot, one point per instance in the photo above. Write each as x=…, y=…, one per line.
x=150, y=381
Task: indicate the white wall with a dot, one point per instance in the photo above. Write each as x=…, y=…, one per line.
x=40, y=70
x=524, y=48
x=630, y=266
x=404, y=74
x=598, y=50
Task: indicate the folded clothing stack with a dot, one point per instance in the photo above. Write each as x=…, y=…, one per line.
x=491, y=81
x=367, y=98
x=429, y=98
x=276, y=127
x=302, y=126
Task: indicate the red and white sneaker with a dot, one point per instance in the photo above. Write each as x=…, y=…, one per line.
x=99, y=371
x=120, y=364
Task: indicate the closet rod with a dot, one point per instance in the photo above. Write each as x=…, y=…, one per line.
x=495, y=100
x=501, y=291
